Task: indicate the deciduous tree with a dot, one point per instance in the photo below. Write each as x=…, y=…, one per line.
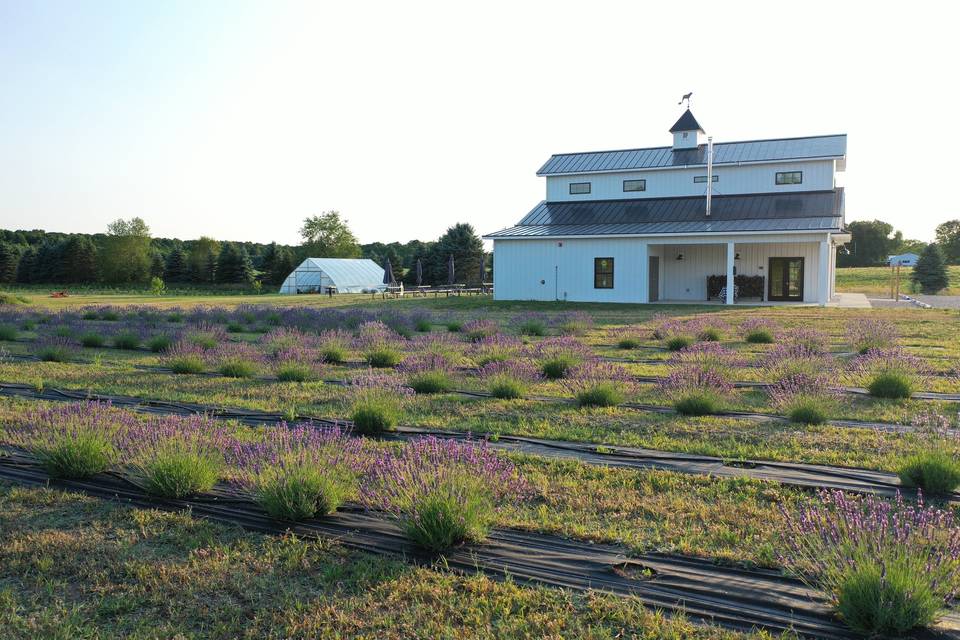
x=328, y=236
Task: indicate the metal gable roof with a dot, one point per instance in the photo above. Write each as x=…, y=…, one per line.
x=796, y=211
x=832, y=146
x=686, y=123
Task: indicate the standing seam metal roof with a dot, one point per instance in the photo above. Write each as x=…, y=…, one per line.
x=796, y=211
x=830, y=146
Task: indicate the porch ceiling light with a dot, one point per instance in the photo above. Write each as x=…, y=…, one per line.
x=679, y=256
x=736, y=256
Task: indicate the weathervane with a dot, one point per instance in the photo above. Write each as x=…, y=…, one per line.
x=686, y=97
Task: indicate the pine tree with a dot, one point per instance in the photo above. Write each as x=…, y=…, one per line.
x=25, y=267
x=931, y=270
x=9, y=258
x=157, y=265
x=175, y=269
x=79, y=260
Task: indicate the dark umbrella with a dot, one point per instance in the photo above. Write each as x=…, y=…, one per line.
x=388, y=273
x=419, y=273
x=450, y=273
x=483, y=268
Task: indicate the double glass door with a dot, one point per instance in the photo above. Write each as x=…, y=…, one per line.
x=786, y=279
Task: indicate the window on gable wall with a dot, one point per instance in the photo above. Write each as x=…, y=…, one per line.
x=789, y=177
x=579, y=188
x=603, y=273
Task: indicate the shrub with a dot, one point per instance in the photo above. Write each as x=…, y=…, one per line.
x=293, y=371
x=865, y=334
x=710, y=334
x=930, y=273
x=891, y=384
x=935, y=472
x=423, y=325
x=235, y=327
x=509, y=380
x=185, y=358
x=109, y=315
x=374, y=413
x=179, y=467
x=454, y=326
x=333, y=346
x=92, y=339
x=383, y=357
x=557, y=367
x=889, y=567
x=206, y=340
x=477, y=330
x=436, y=381
x=757, y=330
x=237, y=367
x=531, y=324
x=759, y=336
x=159, y=343
x=443, y=492
x=126, y=340
x=76, y=453
x=498, y=348
x=703, y=402
x=888, y=373
x=574, y=323
x=806, y=410
x=596, y=384
x=629, y=342
x=676, y=343
x=8, y=332
x=55, y=350
x=300, y=488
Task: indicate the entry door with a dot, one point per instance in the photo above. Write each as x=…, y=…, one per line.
x=653, y=283
x=786, y=279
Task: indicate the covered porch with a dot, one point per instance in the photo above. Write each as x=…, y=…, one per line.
x=764, y=270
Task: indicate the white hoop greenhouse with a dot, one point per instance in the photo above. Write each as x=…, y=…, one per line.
x=344, y=275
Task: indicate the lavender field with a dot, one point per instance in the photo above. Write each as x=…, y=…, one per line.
x=454, y=422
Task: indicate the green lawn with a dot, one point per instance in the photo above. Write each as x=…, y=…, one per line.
x=875, y=281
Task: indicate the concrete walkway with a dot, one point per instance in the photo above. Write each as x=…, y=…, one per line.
x=845, y=300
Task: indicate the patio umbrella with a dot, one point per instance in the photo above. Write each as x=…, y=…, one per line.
x=450, y=271
x=419, y=273
x=388, y=273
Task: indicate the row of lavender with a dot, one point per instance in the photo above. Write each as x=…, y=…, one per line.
x=888, y=566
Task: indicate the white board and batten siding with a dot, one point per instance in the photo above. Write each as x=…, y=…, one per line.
x=563, y=269
x=818, y=175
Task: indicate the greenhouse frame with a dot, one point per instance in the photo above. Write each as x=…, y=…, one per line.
x=339, y=275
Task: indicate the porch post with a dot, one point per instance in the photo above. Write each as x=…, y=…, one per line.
x=643, y=272
x=823, y=269
x=731, y=253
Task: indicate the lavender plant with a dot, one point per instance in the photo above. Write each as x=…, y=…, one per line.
x=935, y=468
x=428, y=372
x=757, y=330
x=888, y=566
x=377, y=401
x=184, y=357
x=865, y=334
x=236, y=360
x=531, y=324
x=56, y=349
x=557, y=356
x=296, y=364
x=701, y=379
x=476, y=330
x=442, y=492
x=574, y=323
x=496, y=348
x=891, y=373
x=599, y=384
x=509, y=380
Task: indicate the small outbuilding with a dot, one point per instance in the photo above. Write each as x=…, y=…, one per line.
x=342, y=275
x=903, y=259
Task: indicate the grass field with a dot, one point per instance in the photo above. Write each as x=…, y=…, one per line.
x=76, y=567
x=875, y=281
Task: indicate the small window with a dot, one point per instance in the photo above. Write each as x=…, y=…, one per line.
x=603, y=273
x=579, y=188
x=789, y=177
x=634, y=185
x=698, y=179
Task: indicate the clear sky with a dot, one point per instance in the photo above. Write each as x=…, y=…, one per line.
x=238, y=119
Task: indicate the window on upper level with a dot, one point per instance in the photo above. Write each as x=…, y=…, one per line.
x=789, y=177
x=697, y=179
x=603, y=273
x=579, y=188
x=634, y=185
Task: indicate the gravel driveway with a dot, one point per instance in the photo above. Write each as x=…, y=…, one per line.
x=937, y=302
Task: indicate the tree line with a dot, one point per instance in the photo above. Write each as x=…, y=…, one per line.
x=872, y=242
x=127, y=254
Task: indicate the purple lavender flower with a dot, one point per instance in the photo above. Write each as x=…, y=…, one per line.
x=865, y=334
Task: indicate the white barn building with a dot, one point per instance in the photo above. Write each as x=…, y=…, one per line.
x=647, y=225
x=344, y=275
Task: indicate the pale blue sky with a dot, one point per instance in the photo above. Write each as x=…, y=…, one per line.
x=238, y=119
